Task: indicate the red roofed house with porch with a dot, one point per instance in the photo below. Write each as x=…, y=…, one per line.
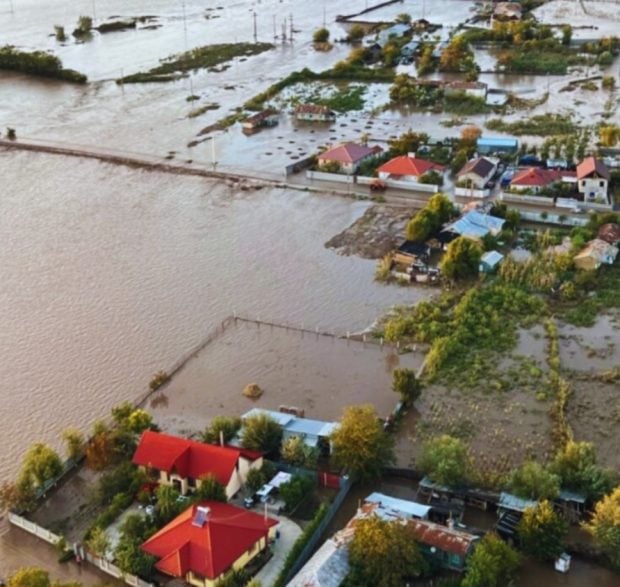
x=348, y=156
x=534, y=179
x=182, y=463
x=209, y=540
x=593, y=180
x=407, y=168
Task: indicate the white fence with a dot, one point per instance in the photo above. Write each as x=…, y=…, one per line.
x=567, y=203
x=401, y=185
x=553, y=218
x=471, y=193
x=323, y=176
x=102, y=564
x=33, y=528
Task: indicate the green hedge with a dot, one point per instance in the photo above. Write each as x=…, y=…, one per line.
x=300, y=544
x=38, y=63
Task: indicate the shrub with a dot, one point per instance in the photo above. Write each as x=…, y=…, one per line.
x=296, y=490
x=321, y=35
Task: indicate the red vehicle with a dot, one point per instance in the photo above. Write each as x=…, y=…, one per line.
x=376, y=185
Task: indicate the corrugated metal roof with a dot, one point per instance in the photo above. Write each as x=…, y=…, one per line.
x=445, y=539
x=566, y=495
x=394, y=506
x=491, y=258
x=475, y=224
x=512, y=502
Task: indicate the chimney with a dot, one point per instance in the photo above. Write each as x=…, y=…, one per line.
x=450, y=523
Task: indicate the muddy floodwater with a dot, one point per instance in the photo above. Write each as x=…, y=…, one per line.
x=317, y=373
x=109, y=275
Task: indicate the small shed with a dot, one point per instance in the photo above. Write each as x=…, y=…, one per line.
x=490, y=261
x=488, y=145
x=571, y=504
x=392, y=508
x=513, y=503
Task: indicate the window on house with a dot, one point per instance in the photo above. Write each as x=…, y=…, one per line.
x=191, y=482
x=601, y=184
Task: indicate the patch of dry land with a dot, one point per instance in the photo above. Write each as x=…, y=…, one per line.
x=377, y=232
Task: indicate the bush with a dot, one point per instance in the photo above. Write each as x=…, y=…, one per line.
x=227, y=426
x=295, y=491
x=321, y=35
x=37, y=63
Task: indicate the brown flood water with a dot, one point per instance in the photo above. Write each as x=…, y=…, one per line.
x=319, y=374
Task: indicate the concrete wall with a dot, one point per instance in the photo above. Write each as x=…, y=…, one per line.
x=401, y=185
x=471, y=193
x=322, y=176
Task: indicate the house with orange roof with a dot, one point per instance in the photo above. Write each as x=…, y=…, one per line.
x=183, y=463
x=208, y=541
x=534, y=179
x=593, y=180
x=348, y=156
x=408, y=168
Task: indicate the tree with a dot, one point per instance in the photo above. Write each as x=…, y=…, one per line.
x=492, y=564
x=609, y=135
x=441, y=206
x=255, y=480
x=84, y=26
x=41, y=464
x=356, y=33
x=30, y=577
x=139, y=420
x=262, y=433
x=130, y=558
x=228, y=426
x=16, y=496
x=421, y=226
x=59, y=32
x=99, y=451
x=542, y=531
x=567, y=34
x=296, y=490
x=533, y=481
x=608, y=82
x=360, y=445
x=321, y=35
x=405, y=383
x=462, y=258
x=167, y=501
x=445, y=460
x=404, y=18
x=210, y=489
x=295, y=451
x=408, y=142
x=99, y=542
x=469, y=136
x=383, y=554
x=577, y=468
x=74, y=442
x=605, y=525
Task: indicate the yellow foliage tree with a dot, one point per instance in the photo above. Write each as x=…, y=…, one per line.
x=605, y=525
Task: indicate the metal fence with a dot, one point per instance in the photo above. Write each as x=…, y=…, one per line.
x=306, y=553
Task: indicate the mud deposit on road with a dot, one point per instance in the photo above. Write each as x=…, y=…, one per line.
x=376, y=233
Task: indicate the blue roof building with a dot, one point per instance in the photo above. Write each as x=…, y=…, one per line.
x=486, y=145
x=474, y=224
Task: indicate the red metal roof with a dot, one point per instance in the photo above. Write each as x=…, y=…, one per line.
x=312, y=109
x=441, y=537
x=535, y=176
x=187, y=458
x=209, y=549
x=610, y=233
x=405, y=165
x=590, y=166
x=349, y=153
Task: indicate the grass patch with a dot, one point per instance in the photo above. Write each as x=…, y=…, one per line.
x=540, y=125
x=202, y=109
x=346, y=99
x=463, y=104
x=176, y=66
x=38, y=63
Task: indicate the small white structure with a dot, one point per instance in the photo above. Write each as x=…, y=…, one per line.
x=490, y=261
x=562, y=563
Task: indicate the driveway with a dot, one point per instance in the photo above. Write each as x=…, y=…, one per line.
x=289, y=532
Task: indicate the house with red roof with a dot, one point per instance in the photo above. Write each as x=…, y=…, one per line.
x=593, y=180
x=408, y=168
x=208, y=541
x=182, y=463
x=534, y=179
x=348, y=156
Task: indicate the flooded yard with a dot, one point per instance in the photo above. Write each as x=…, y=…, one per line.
x=319, y=374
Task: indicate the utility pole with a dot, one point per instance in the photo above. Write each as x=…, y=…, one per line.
x=291, y=27
x=275, y=34
x=284, y=31
x=324, y=17
x=255, y=31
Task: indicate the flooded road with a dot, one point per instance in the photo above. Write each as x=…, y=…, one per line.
x=109, y=275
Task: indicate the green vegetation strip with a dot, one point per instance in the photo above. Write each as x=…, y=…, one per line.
x=38, y=63
x=174, y=67
x=541, y=125
x=463, y=329
x=300, y=544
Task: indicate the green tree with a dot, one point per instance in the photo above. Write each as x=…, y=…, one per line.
x=405, y=383
x=262, y=433
x=356, y=33
x=84, y=26
x=360, y=445
x=533, y=481
x=59, y=33
x=167, y=501
x=139, y=420
x=445, y=460
x=255, y=479
x=421, y=226
x=296, y=490
x=210, y=489
x=408, y=142
x=130, y=558
x=321, y=35
x=383, y=554
x=567, y=34
x=441, y=206
x=98, y=542
x=404, y=18
x=16, y=496
x=542, y=531
x=577, y=468
x=29, y=577
x=492, y=564
x=74, y=443
x=605, y=525
x=228, y=426
x=462, y=258
x=41, y=464
x=295, y=451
